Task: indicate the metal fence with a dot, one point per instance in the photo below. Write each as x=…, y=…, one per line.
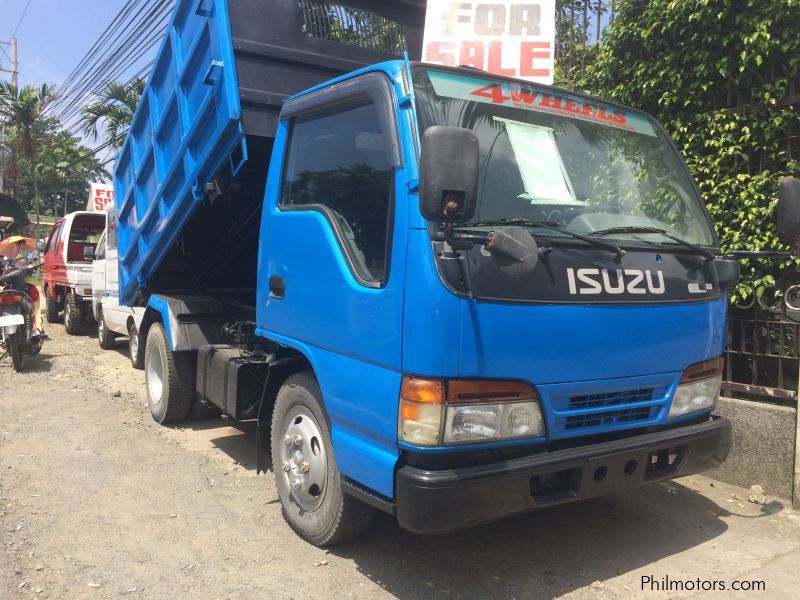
x=762, y=349
x=579, y=23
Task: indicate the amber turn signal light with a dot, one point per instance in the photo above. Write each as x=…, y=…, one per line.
x=703, y=370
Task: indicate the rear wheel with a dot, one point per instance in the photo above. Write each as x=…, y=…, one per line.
x=105, y=336
x=73, y=319
x=135, y=348
x=306, y=477
x=14, y=342
x=168, y=378
x=52, y=306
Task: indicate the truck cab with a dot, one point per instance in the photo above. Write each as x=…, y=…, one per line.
x=113, y=319
x=67, y=268
x=439, y=293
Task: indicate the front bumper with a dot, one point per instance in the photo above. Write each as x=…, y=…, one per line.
x=443, y=501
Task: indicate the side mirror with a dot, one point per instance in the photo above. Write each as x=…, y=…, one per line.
x=40, y=245
x=788, y=210
x=448, y=174
x=88, y=253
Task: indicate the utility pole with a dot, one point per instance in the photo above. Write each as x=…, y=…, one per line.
x=14, y=70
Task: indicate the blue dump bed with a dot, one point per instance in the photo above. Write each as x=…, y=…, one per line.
x=190, y=178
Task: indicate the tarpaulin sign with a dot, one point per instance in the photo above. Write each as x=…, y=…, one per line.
x=100, y=195
x=528, y=97
x=512, y=38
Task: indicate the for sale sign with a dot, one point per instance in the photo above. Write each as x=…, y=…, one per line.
x=101, y=195
x=514, y=38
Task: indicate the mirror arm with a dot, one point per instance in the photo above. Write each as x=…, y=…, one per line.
x=463, y=241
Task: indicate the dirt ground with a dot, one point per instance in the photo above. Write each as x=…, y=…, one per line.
x=97, y=501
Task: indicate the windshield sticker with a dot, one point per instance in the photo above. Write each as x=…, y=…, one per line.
x=526, y=97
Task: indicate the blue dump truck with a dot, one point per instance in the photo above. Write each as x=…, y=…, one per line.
x=440, y=293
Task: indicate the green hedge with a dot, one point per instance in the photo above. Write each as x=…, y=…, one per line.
x=722, y=76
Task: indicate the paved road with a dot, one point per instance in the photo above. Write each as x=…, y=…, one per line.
x=96, y=501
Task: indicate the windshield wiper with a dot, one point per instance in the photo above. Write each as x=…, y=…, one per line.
x=551, y=226
x=707, y=254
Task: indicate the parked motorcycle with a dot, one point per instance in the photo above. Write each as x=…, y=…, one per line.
x=18, y=335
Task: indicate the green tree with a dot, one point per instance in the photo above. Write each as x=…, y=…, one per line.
x=66, y=169
x=718, y=74
x=22, y=115
x=113, y=112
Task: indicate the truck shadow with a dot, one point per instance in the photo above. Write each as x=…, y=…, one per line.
x=543, y=554
x=538, y=555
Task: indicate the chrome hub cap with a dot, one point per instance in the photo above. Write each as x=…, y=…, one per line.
x=155, y=377
x=304, y=460
x=134, y=346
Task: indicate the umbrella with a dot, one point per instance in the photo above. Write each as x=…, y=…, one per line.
x=10, y=247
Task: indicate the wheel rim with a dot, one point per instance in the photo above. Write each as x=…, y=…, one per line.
x=155, y=377
x=133, y=345
x=67, y=311
x=304, y=459
x=101, y=328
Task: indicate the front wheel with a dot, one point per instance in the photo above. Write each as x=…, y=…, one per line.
x=73, y=319
x=168, y=378
x=14, y=342
x=307, y=480
x=105, y=336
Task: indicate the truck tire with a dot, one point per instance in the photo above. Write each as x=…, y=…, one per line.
x=308, y=482
x=73, y=317
x=106, y=337
x=52, y=306
x=168, y=378
x=135, y=348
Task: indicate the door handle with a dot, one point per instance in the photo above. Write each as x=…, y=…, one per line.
x=277, y=287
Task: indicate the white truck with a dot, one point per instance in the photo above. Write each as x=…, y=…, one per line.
x=113, y=319
x=67, y=269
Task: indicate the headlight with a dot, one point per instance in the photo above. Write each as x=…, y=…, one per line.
x=698, y=388
x=491, y=422
x=433, y=412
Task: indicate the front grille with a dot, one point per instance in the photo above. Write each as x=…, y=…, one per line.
x=604, y=419
x=352, y=26
x=610, y=399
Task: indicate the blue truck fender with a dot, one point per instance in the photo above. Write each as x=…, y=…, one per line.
x=158, y=311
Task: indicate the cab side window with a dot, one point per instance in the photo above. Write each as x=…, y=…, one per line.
x=101, y=248
x=52, y=242
x=337, y=163
x=111, y=232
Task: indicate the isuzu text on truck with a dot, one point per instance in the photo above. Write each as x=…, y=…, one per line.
x=442, y=294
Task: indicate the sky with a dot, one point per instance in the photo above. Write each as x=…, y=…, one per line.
x=54, y=35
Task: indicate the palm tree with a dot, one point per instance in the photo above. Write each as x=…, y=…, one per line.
x=22, y=111
x=115, y=109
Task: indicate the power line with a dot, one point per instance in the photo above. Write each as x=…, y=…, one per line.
x=24, y=12
x=117, y=64
x=123, y=52
x=79, y=75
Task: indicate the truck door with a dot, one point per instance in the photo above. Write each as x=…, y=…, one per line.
x=332, y=263
x=112, y=257
x=50, y=253
x=99, y=274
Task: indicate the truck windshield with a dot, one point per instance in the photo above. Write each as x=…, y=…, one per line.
x=583, y=165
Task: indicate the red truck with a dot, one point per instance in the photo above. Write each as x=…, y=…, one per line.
x=67, y=270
